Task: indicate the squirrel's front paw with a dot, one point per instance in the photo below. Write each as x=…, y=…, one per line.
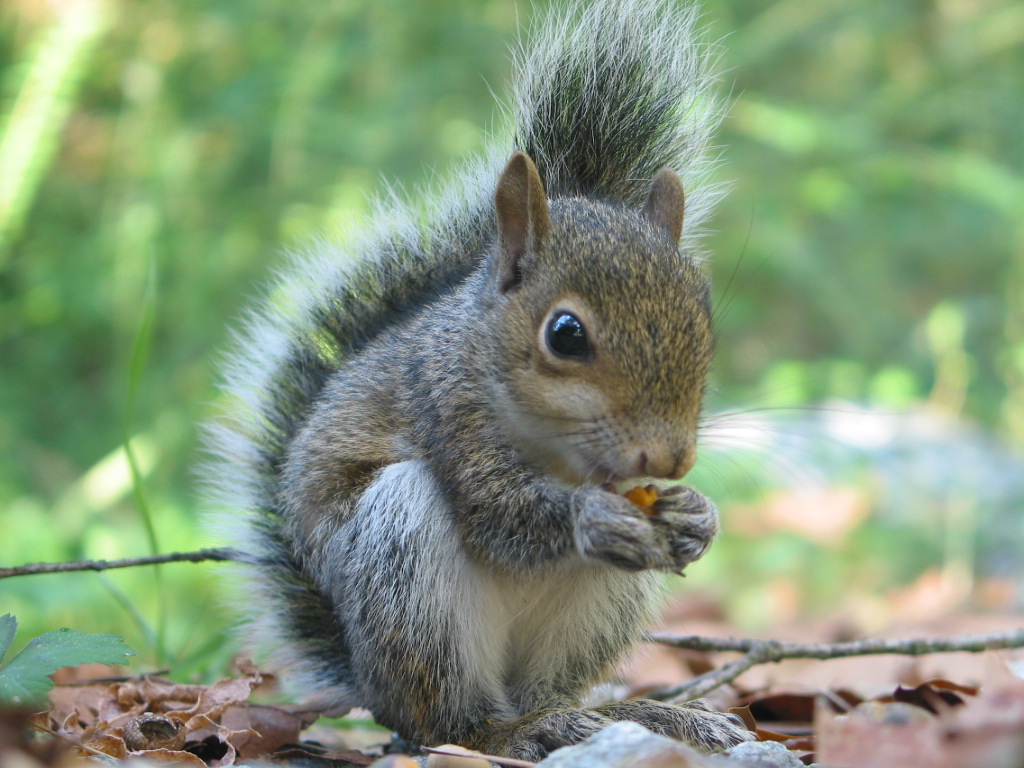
x=670, y=535
x=688, y=521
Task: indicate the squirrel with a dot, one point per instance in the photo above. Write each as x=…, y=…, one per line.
x=428, y=432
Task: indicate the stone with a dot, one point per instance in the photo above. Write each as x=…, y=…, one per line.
x=627, y=745
x=757, y=754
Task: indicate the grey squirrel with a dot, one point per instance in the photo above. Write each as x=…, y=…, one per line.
x=428, y=431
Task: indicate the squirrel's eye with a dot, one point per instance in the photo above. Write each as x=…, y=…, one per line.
x=566, y=336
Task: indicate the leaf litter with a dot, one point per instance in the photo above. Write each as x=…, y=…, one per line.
x=933, y=724
x=169, y=722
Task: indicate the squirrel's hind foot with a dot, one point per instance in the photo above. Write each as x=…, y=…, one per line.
x=535, y=735
x=695, y=723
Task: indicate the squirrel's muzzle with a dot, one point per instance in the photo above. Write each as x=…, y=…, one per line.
x=661, y=461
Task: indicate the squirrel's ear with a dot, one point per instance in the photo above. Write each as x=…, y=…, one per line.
x=522, y=211
x=666, y=202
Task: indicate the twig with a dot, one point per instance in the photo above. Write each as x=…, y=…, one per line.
x=68, y=739
x=453, y=750
x=155, y=676
x=102, y=565
x=770, y=651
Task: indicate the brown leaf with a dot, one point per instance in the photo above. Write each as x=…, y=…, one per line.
x=928, y=697
x=805, y=744
x=987, y=731
x=258, y=730
x=108, y=745
x=175, y=758
x=98, y=713
x=765, y=735
x=19, y=745
x=744, y=714
x=946, y=685
x=783, y=707
x=212, y=700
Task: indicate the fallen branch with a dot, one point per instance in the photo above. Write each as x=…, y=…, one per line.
x=769, y=651
x=103, y=565
x=755, y=651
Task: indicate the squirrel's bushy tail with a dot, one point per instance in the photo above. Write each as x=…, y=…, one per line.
x=604, y=95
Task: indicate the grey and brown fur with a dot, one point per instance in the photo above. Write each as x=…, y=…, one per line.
x=419, y=478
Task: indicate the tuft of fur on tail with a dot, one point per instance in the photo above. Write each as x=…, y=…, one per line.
x=609, y=93
x=604, y=95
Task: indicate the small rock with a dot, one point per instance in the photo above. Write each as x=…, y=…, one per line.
x=757, y=754
x=627, y=745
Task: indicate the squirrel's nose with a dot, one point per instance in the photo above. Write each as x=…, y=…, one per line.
x=661, y=461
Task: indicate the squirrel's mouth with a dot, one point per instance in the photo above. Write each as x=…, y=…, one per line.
x=602, y=474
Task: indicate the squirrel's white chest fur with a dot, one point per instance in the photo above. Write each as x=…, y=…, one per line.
x=511, y=632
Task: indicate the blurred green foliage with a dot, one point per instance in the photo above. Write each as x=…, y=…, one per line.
x=156, y=158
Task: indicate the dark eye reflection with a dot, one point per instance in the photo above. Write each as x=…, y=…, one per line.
x=566, y=336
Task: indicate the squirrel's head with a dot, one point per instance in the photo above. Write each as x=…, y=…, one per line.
x=604, y=327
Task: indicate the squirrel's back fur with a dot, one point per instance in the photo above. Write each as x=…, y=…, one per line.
x=603, y=96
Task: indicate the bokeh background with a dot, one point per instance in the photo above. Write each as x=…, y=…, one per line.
x=158, y=158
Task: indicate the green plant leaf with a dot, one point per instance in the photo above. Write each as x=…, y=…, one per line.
x=8, y=626
x=24, y=680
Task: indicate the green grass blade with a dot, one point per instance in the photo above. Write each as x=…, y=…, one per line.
x=136, y=368
x=145, y=629
x=30, y=135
